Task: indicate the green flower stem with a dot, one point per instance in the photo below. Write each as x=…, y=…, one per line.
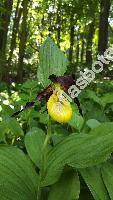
x=27, y=114
x=44, y=148
x=44, y=157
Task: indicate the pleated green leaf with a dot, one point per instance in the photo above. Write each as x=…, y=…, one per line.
x=52, y=61
x=107, y=174
x=92, y=177
x=18, y=179
x=68, y=187
x=34, y=141
x=79, y=151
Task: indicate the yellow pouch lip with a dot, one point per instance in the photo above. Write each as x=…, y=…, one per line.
x=60, y=115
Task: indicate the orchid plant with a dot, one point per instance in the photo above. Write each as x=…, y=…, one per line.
x=53, y=165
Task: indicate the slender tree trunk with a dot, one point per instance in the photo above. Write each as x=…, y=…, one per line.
x=16, y=20
x=91, y=31
x=82, y=50
x=71, y=37
x=103, y=26
x=4, y=23
x=58, y=22
x=83, y=46
x=77, y=49
x=23, y=40
x=50, y=24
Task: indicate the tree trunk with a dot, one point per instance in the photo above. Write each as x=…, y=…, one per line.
x=58, y=23
x=4, y=23
x=103, y=26
x=91, y=31
x=23, y=40
x=71, y=38
x=82, y=49
x=77, y=49
x=16, y=20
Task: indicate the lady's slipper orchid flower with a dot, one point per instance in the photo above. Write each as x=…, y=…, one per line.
x=58, y=108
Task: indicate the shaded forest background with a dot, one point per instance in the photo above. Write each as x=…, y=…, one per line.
x=81, y=28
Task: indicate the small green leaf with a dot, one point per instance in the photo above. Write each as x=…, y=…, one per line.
x=93, y=123
x=7, y=110
x=52, y=61
x=106, y=127
x=89, y=94
x=107, y=98
x=29, y=85
x=14, y=126
x=77, y=120
x=34, y=141
x=43, y=118
x=11, y=124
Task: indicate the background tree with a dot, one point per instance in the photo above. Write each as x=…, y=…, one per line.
x=103, y=26
x=80, y=28
x=5, y=14
x=22, y=41
x=15, y=30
